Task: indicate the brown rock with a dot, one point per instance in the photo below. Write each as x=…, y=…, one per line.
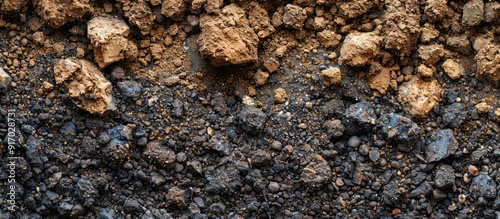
x=85, y=84
x=402, y=26
x=160, y=155
x=259, y=20
x=294, y=16
x=108, y=35
x=428, y=33
x=431, y=54
x=379, y=78
x=331, y=75
x=226, y=38
x=420, y=96
x=482, y=107
x=317, y=172
x=271, y=65
x=173, y=9
x=352, y=9
x=453, y=69
x=473, y=13
x=359, y=48
x=436, y=10
x=12, y=5
x=213, y=6
x=260, y=77
x=473, y=170
x=460, y=44
x=140, y=15
x=177, y=196
x=487, y=58
x=58, y=13
x=328, y=38
x=497, y=114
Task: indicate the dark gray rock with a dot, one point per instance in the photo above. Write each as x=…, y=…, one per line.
x=439, y=194
x=132, y=206
x=454, y=115
x=424, y=188
x=391, y=194
x=261, y=158
x=160, y=155
x=222, y=147
x=354, y=142
x=224, y=180
x=251, y=119
x=194, y=167
x=64, y=208
x=87, y=192
x=69, y=128
x=106, y=213
x=130, y=89
x=445, y=177
x=483, y=186
x=399, y=130
x=440, y=145
x=359, y=118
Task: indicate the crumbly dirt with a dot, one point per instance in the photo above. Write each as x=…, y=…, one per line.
x=249, y=109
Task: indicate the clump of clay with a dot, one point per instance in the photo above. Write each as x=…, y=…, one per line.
x=173, y=9
x=431, y=54
x=436, y=10
x=58, y=13
x=328, y=38
x=402, y=26
x=280, y=95
x=331, y=76
x=109, y=35
x=227, y=39
x=140, y=15
x=85, y=84
x=380, y=79
x=487, y=59
x=353, y=9
x=294, y=16
x=12, y=5
x=425, y=71
x=482, y=107
x=473, y=12
x=419, y=96
x=453, y=69
x=259, y=20
x=359, y=48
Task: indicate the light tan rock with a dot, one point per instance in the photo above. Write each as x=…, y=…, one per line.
x=431, y=54
x=473, y=12
x=271, y=65
x=294, y=16
x=419, y=96
x=109, y=35
x=58, y=13
x=85, y=84
x=12, y=5
x=436, y=10
x=482, y=107
x=380, y=77
x=428, y=33
x=5, y=79
x=328, y=38
x=280, y=95
x=453, y=69
x=425, y=71
x=359, y=48
x=401, y=28
x=487, y=59
x=260, y=78
x=227, y=39
x=497, y=114
x=331, y=75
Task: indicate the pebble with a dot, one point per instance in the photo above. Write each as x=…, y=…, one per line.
x=276, y=145
x=442, y=145
x=339, y=182
x=364, y=149
x=354, y=142
x=473, y=170
x=274, y=187
x=483, y=185
x=445, y=177
x=261, y=158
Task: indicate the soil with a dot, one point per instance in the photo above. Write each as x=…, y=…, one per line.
x=249, y=109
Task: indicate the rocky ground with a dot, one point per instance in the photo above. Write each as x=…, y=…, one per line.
x=250, y=109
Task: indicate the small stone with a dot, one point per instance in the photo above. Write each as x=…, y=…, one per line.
x=331, y=75
x=441, y=145
x=473, y=12
x=359, y=48
x=334, y=128
x=473, y=170
x=339, y=182
x=483, y=185
x=132, y=206
x=374, y=155
x=354, y=142
x=160, y=155
x=419, y=96
x=274, y=187
x=425, y=71
x=317, y=172
x=176, y=196
x=294, y=16
x=260, y=78
x=467, y=178
x=280, y=95
x=251, y=119
x=497, y=114
x=364, y=149
x=261, y=158
x=271, y=65
x=482, y=107
x=172, y=80
x=445, y=177
x=453, y=69
x=276, y=146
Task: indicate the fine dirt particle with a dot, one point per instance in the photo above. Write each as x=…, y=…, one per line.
x=331, y=75
x=58, y=13
x=227, y=39
x=419, y=96
x=473, y=13
x=453, y=69
x=280, y=95
x=85, y=84
x=359, y=48
x=109, y=37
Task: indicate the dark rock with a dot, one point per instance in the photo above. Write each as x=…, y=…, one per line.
x=439, y=194
x=132, y=206
x=222, y=147
x=251, y=119
x=178, y=109
x=69, y=128
x=77, y=211
x=159, y=155
x=478, y=155
x=317, y=172
x=177, y=196
x=399, y=130
x=454, y=115
x=333, y=107
x=334, y=128
x=359, y=174
x=354, y=142
x=374, y=155
x=445, y=177
x=106, y=213
x=423, y=189
x=483, y=186
x=273, y=187
x=130, y=89
x=88, y=147
x=359, y=118
x=261, y=158
x=391, y=194
x=87, y=192
x=194, y=167
x=223, y=180
x=218, y=208
x=65, y=208
x=441, y=144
